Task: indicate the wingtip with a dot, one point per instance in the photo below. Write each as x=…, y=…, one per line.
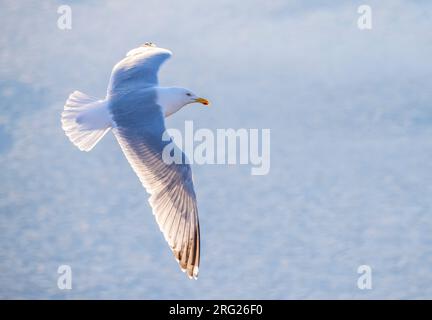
x=191, y=275
x=145, y=47
x=195, y=272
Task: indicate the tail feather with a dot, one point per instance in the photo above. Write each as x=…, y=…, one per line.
x=85, y=120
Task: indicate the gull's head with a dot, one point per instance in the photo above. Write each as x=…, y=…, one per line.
x=172, y=99
x=188, y=97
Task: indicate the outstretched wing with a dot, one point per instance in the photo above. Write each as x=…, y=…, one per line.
x=138, y=69
x=139, y=130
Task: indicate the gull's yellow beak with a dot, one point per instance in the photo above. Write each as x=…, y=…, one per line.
x=203, y=101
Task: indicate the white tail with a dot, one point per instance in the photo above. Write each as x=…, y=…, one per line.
x=85, y=120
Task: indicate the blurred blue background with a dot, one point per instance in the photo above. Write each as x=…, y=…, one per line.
x=351, y=171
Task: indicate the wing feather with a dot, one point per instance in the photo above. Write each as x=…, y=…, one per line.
x=172, y=195
x=138, y=69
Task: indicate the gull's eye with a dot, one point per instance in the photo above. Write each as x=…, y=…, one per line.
x=189, y=94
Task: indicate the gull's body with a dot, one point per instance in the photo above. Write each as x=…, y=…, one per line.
x=134, y=109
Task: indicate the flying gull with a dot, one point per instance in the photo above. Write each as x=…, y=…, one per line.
x=134, y=110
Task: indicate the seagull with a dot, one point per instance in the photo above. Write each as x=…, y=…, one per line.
x=134, y=109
